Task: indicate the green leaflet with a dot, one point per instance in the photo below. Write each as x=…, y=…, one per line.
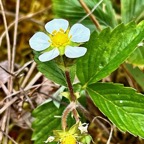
x=45, y=122
x=107, y=50
x=73, y=11
x=50, y=70
x=123, y=106
x=132, y=10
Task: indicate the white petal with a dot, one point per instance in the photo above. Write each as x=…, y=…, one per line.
x=39, y=41
x=47, y=56
x=79, y=33
x=75, y=52
x=56, y=24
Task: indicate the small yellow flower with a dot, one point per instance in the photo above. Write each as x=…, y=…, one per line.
x=69, y=139
x=76, y=134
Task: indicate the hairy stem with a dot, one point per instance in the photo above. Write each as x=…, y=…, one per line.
x=68, y=109
x=72, y=106
x=70, y=87
x=72, y=95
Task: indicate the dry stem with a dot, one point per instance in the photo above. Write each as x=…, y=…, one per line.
x=92, y=17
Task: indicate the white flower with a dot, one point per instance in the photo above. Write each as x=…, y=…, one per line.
x=60, y=40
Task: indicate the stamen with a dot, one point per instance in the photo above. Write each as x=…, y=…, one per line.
x=60, y=38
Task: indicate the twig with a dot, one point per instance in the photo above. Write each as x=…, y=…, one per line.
x=15, y=35
x=14, y=46
x=16, y=93
x=29, y=100
x=30, y=15
x=110, y=135
x=7, y=126
x=18, y=71
x=7, y=35
x=7, y=71
x=3, y=124
x=37, y=76
x=22, y=68
x=27, y=17
x=8, y=13
x=92, y=17
x=9, y=103
x=90, y=11
x=28, y=74
x=8, y=137
x=5, y=120
x=112, y=127
x=6, y=91
x=90, y=118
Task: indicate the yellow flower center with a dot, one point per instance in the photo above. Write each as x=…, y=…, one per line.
x=70, y=139
x=60, y=38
